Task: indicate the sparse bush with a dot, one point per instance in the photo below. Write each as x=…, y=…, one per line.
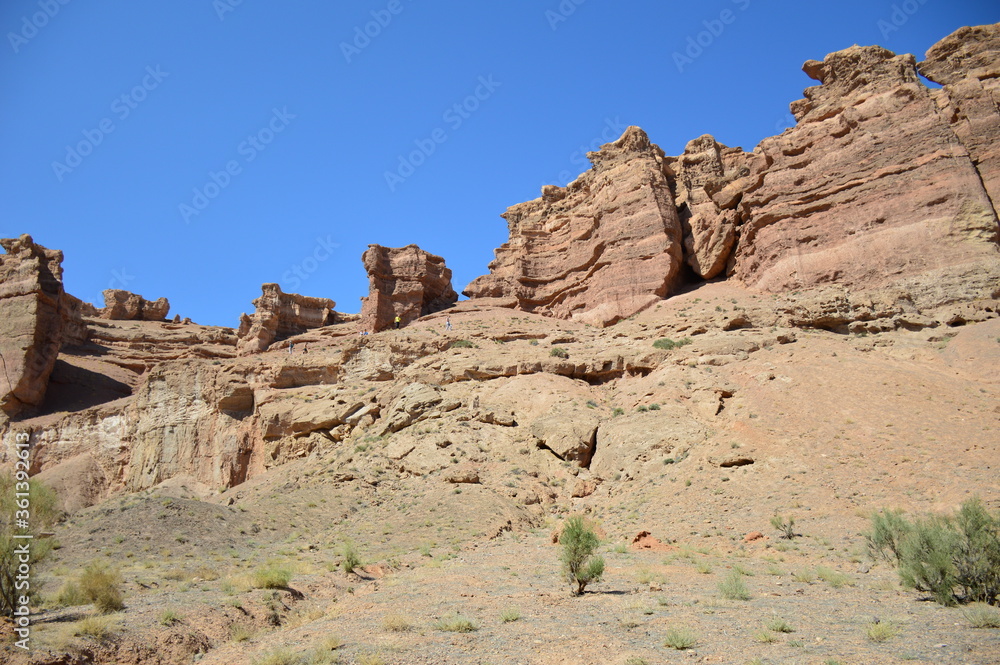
x=279, y=657
x=239, y=633
x=456, y=623
x=44, y=513
x=832, y=577
x=96, y=626
x=396, y=623
x=371, y=659
x=780, y=626
x=804, y=576
x=559, y=352
x=880, y=631
x=70, y=595
x=668, y=344
x=351, y=558
x=765, y=637
x=617, y=411
x=786, y=527
x=170, y=617
x=462, y=344
x=510, y=614
x=680, y=638
x=272, y=577
x=955, y=558
x=733, y=587
x=579, y=565
x=99, y=584
x=981, y=615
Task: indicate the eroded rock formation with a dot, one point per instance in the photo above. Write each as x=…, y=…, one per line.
x=881, y=180
x=967, y=64
x=870, y=186
x=707, y=182
x=406, y=282
x=122, y=305
x=598, y=250
x=31, y=321
x=280, y=315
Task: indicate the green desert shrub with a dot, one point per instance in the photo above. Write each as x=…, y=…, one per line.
x=785, y=526
x=456, y=623
x=559, y=352
x=733, y=587
x=955, y=558
x=680, y=638
x=41, y=513
x=981, y=615
x=462, y=344
x=351, y=559
x=272, y=577
x=99, y=584
x=667, y=344
x=579, y=565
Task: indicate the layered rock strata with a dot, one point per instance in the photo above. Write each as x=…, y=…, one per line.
x=598, y=250
x=280, y=315
x=880, y=180
x=407, y=282
x=31, y=321
x=870, y=186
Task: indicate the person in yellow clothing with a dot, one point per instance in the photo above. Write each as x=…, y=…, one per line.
x=398, y=320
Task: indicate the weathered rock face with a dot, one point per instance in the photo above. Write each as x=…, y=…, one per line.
x=31, y=321
x=281, y=315
x=122, y=305
x=599, y=250
x=872, y=184
x=967, y=64
x=707, y=188
x=406, y=282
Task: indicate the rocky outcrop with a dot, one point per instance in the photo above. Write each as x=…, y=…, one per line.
x=967, y=64
x=406, y=282
x=604, y=247
x=707, y=184
x=872, y=184
x=31, y=321
x=122, y=305
x=280, y=315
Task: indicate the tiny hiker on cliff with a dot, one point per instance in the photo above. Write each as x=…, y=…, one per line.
x=398, y=320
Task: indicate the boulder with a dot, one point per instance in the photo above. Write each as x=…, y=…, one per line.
x=601, y=249
x=281, y=315
x=406, y=282
x=120, y=305
x=569, y=433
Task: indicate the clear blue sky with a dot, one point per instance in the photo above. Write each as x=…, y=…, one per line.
x=308, y=128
